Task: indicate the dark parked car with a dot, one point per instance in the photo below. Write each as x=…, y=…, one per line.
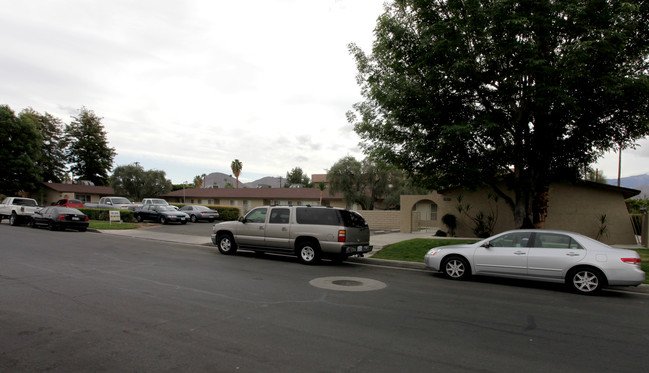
x=162, y=214
x=197, y=213
x=67, y=202
x=58, y=217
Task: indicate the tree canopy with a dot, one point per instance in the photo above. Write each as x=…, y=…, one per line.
x=52, y=163
x=474, y=92
x=20, y=150
x=134, y=182
x=88, y=152
x=297, y=177
x=365, y=182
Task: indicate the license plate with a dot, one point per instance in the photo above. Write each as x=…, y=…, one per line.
x=75, y=218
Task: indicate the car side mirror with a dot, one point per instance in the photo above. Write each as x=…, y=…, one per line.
x=242, y=219
x=487, y=245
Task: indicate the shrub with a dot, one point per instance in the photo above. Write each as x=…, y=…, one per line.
x=102, y=214
x=440, y=233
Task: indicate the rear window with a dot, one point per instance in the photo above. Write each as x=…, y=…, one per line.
x=24, y=202
x=353, y=219
x=320, y=216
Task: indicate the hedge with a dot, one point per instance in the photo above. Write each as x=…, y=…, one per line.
x=102, y=214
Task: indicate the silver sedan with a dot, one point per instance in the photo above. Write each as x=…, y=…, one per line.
x=583, y=264
x=197, y=212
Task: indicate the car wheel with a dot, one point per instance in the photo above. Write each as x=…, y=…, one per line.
x=32, y=224
x=13, y=219
x=139, y=218
x=308, y=252
x=585, y=280
x=226, y=244
x=183, y=222
x=456, y=268
x=163, y=220
x=51, y=226
x=193, y=218
x=83, y=229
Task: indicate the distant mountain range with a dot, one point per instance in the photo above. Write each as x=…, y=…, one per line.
x=639, y=182
x=220, y=180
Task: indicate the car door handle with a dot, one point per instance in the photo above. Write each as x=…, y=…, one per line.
x=284, y=229
x=572, y=254
x=261, y=227
x=520, y=252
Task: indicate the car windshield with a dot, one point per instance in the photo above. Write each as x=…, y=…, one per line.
x=201, y=208
x=166, y=208
x=75, y=201
x=120, y=201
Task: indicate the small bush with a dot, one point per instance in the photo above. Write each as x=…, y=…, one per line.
x=440, y=233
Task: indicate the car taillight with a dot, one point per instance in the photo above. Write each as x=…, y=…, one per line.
x=342, y=234
x=631, y=260
x=61, y=217
x=85, y=218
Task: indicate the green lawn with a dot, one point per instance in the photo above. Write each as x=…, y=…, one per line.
x=98, y=224
x=415, y=249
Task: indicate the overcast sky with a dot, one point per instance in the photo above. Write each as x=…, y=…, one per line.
x=188, y=86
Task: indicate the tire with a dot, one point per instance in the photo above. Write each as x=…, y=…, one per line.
x=456, y=268
x=163, y=220
x=586, y=281
x=193, y=218
x=308, y=252
x=13, y=219
x=83, y=229
x=225, y=243
x=31, y=223
x=139, y=218
x=51, y=226
x=183, y=222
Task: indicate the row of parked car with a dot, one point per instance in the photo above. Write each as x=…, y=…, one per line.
x=64, y=214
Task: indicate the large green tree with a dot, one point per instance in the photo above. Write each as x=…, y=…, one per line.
x=88, y=153
x=464, y=93
x=366, y=182
x=20, y=152
x=297, y=177
x=52, y=164
x=136, y=183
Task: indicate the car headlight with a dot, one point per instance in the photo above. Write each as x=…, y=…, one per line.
x=434, y=251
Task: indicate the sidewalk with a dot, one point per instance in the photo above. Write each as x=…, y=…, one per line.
x=377, y=240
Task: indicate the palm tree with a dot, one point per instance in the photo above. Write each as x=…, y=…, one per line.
x=236, y=169
x=198, y=182
x=322, y=186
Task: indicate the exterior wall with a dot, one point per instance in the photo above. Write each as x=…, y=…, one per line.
x=382, y=219
x=574, y=208
x=48, y=196
x=578, y=209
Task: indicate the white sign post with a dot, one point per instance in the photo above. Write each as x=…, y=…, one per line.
x=113, y=216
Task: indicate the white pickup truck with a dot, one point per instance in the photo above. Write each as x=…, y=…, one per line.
x=111, y=203
x=18, y=209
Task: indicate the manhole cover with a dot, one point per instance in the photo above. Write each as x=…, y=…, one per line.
x=347, y=283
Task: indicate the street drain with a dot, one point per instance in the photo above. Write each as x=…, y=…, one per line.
x=347, y=283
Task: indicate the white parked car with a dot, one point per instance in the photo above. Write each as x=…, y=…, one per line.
x=582, y=263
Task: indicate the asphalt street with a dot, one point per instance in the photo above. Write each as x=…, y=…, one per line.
x=72, y=301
